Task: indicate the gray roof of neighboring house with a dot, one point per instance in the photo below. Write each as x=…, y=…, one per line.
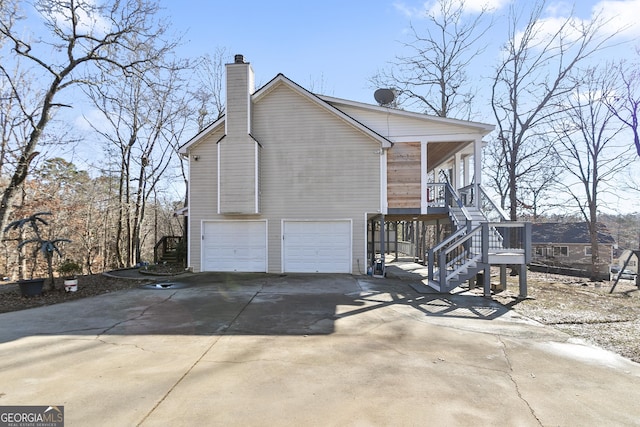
x=571, y=232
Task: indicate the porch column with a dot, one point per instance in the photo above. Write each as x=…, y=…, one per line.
x=456, y=178
x=423, y=177
x=382, y=240
x=467, y=175
x=477, y=170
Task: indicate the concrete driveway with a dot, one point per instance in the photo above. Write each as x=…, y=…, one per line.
x=306, y=350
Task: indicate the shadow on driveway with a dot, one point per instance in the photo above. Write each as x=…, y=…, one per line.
x=245, y=304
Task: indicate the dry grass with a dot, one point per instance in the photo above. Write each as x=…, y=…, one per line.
x=584, y=309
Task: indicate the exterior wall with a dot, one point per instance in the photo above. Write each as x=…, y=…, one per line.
x=238, y=151
x=404, y=172
x=633, y=262
x=576, y=254
x=203, y=191
x=239, y=89
x=313, y=166
x=238, y=175
x=394, y=126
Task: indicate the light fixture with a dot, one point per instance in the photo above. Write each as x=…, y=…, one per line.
x=196, y=157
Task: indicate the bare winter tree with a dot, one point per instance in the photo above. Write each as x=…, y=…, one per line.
x=139, y=127
x=591, y=150
x=81, y=37
x=209, y=90
x=625, y=105
x=433, y=77
x=529, y=83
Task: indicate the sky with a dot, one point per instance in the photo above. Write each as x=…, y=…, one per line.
x=335, y=47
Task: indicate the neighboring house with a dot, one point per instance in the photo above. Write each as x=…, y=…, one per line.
x=290, y=181
x=569, y=244
x=632, y=263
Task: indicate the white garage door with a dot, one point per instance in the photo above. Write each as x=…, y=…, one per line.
x=317, y=246
x=234, y=246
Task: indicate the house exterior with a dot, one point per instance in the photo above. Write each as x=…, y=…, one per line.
x=289, y=181
x=569, y=244
x=630, y=257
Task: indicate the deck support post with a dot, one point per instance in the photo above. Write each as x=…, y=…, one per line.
x=503, y=277
x=523, y=281
x=486, y=280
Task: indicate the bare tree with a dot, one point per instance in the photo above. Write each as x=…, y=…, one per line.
x=590, y=149
x=433, y=76
x=81, y=38
x=209, y=88
x=529, y=83
x=625, y=105
x=140, y=116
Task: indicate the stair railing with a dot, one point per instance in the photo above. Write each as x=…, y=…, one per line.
x=166, y=245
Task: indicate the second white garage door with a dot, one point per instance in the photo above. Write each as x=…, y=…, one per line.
x=317, y=246
x=234, y=246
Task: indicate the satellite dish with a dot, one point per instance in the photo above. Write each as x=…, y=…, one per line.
x=384, y=96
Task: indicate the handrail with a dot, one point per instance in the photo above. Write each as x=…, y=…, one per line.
x=485, y=198
x=436, y=249
x=454, y=196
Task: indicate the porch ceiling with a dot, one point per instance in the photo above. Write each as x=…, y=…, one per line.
x=440, y=152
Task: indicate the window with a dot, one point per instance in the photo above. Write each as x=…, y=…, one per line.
x=560, y=251
x=587, y=251
x=632, y=263
x=542, y=251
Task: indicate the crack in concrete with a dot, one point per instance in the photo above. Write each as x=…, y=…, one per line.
x=140, y=315
x=513, y=380
x=590, y=322
x=223, y=332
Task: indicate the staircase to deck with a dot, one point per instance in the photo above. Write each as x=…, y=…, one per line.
x=475, y=243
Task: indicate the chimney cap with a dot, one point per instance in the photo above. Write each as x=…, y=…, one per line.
x=239, y=59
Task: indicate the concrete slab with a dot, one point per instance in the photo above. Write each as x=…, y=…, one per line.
x=255, y=349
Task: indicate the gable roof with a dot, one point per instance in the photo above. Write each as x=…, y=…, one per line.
x=478, y=127
x=282, y=79
x=568, y=233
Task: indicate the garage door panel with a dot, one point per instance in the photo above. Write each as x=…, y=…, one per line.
x=317, y=246
x=234, y=246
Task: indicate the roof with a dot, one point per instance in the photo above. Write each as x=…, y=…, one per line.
x=282, y=79
x=333, y=105
x=483, y=128
x=568, y=233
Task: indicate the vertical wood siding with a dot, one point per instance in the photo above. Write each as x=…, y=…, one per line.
x=403, y=175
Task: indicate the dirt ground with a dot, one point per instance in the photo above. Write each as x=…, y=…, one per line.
x=574, y=305
x=584, y=309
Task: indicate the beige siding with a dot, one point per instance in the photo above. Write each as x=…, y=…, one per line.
x=203, y=190
x=394, y=126
x=314, y=166
x=237, y=176
x=239, y=87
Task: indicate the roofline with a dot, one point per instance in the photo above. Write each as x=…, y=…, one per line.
x=281, y=78
x=483, y=127
x=200, y=135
